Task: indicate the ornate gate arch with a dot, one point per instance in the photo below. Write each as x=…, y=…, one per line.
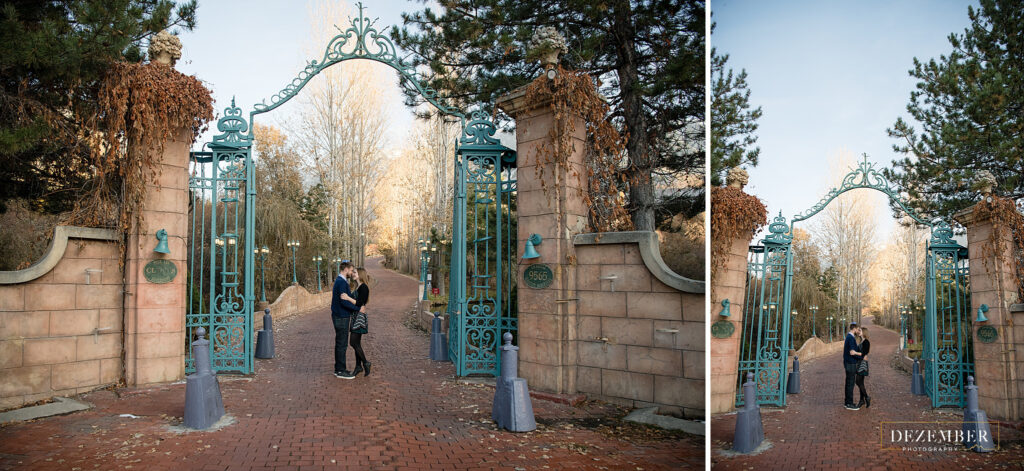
x=221, y=260
x=947, y=353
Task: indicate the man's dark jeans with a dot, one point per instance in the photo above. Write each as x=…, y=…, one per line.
x=851, y=379
x=340, y=342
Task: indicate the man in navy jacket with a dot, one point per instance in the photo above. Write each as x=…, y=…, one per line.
x=342, y=308
x=851, y=356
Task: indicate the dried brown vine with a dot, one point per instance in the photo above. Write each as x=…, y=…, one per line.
x=734, y=214
x=572, y=95
x=1005, y=216
x=142, y=107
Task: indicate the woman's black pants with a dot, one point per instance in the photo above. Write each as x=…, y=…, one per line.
x=860, y=385
x=356, y=340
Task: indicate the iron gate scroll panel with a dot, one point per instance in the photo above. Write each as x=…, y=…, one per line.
x=948, y=350
x=764, y=344
x=487, y=264
x=220, y=287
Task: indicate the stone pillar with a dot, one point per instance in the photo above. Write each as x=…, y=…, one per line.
x=729, y=283
x=155, y=313
x=554, y=210
x=999, y=365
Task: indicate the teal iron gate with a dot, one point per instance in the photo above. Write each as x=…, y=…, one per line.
x=221, y=261
x=220, y=257
x=483, y=261
x=947, y=354
x=948, y=351
x=764, y=346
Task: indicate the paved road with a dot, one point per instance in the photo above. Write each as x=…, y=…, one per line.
x=411, y=413
x=816, y=432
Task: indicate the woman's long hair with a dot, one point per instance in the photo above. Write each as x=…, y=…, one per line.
x=364, y=279
x=863, y=335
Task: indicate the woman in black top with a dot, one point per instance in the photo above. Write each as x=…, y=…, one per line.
x=865, y=347
x=362, y=292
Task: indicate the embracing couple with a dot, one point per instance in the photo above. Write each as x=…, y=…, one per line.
x=855, y=353
x=349, y=316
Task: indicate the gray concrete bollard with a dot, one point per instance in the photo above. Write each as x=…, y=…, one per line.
x=203, y=403
x=916, y=380
x=977, y=436
x=749, y=432
x=265, y=337
x=438, y=340
x=793, y=384
x=512, y=409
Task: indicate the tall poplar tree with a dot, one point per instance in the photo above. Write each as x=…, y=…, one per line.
x=969, y=108
x=649, y=55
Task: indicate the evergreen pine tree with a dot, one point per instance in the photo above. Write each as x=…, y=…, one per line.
x=968, y=106
x=53, y=56
x=733, y=122
x=649, y=55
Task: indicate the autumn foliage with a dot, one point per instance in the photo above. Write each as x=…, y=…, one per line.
x=144, y=106
x=734, y=214
x=573, y=94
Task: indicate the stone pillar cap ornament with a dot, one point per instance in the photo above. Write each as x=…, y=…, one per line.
x=986, y=182
x=164, y=48
x=737, y=178
x=546, y=44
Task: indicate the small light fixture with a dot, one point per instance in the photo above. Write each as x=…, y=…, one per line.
x=981, y=313
x=530, y=251
x=161, y=245
x=725, y=308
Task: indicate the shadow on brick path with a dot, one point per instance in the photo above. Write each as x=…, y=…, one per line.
x=815, y=431
x=410, y=413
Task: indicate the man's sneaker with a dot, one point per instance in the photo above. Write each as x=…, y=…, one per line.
x=344, y=374
x=852, y=407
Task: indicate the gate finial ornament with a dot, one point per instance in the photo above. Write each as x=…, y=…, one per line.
x=779, y=231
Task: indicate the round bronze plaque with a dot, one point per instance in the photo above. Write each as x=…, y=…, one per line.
x=987, y=334
x=722, y=329
x=160, y=271
x=538, y=276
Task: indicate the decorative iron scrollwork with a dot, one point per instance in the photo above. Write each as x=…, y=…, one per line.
x=863, y=176
x=361, y=40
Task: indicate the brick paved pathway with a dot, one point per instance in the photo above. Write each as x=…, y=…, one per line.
x=815, y=431
x=410, y=413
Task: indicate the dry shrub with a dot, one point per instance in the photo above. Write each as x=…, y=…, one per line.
x=26, y=235
x=142, y=107
x=734, y=214
x=1005, y=216
x=682, y=245
x=573, y=94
